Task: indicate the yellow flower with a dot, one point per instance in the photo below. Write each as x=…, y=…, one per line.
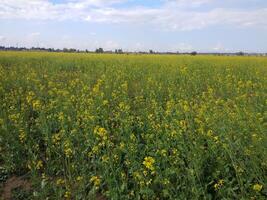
x=67, y=195
x=145, y=173
x=219, y=184
x=30, y=96
x=96, y=87
x=56, y=138
x=95, y=180
x=36, y=104
x=39, y=164
x=186, y=107
x=149, y=182
x=79, y=178
x=60, y=181
x=68, y=152
x=105, y=102
x=132, y=137
x=123, y=106
x=148, y=163
x=210, y=133
x=183, y=124
x=166, y=181
x=105, y=159
x=122, y=145
x=43, y=176
x=61, y=116
x=257, y=187
x=29, y=166
x=131, y=193
x=137, y=176
x=216, y=139
x=22, y=136
x=116, y=157
x=123, y=175
x=124, y=86
x=163, y=152
x=95, y=149
x=101, y=132
x=183, y=69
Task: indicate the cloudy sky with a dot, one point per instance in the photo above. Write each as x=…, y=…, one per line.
x=161, y=25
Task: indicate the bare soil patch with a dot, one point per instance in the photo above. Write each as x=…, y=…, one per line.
x=13, y=183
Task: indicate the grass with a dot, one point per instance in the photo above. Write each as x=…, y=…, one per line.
x=89, y=126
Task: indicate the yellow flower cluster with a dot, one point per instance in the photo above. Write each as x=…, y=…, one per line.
x=96, y=181
x=60, y=181
x=149, y=163
x=67, y=195
x=56, y=138
x=67, y=149
x=146, y=126
x=219, y=184
x=35, y=165
x=22, y=135
x=101, y=132
x=257, y=187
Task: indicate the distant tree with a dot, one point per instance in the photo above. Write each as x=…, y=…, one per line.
x=193, y=53
x=118, y=51
x=240, y=53
x=72, y=50
x=86, y=51
x=99, y=50
x=151, y=51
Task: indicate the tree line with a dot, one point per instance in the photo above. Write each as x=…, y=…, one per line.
x=100, y=50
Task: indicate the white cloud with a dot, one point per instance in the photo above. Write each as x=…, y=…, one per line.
x=172, y=15
x=187, y=3
x=110, y=44
x=218, y=47
x=138, y=46
x=34, y=34
x=2, y=38
x=184, y=47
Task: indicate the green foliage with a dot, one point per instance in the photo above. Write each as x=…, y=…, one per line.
x=88, y=126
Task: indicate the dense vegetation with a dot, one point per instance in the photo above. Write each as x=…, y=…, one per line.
x=81, y=126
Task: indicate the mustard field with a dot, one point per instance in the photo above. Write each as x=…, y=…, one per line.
x=92, y=126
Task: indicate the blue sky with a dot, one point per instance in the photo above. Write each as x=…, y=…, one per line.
x=161, y=25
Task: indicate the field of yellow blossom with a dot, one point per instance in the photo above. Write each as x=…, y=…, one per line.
x=90, y=126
